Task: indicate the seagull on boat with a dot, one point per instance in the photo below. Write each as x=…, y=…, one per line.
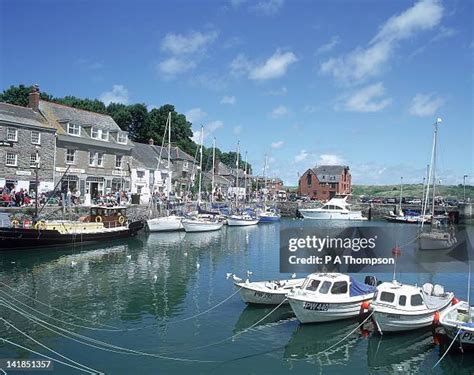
x=236, y=279
x=228, y=275
x=249, y=273
x=293, y=275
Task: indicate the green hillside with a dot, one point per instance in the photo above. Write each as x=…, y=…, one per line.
x=411, y=190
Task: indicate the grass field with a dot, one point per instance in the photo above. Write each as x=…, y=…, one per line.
x=412, y=190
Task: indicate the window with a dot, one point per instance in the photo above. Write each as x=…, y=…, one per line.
x=402, y=300
x=74, y=129
x=70, y=156
x=325, y=287
x=118, y=161
x=308, y=179
x=313, y=285
x=35, y=137
x=11, y=159
x=387, y=297
x=92, y=158
x=339, y=287
x=12, y=135
x=100, y=159
x=95, y=133
x=122, y=137
x=104, y=135
x=416, y=300
x=185, y=165
x=140, y=174
x=34, y=162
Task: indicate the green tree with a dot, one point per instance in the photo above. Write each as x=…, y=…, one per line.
x=18, y=95
x=121, y=115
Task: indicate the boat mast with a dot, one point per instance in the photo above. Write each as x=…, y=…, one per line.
x=200, y=164
x=265, y=184
x=430, y=173
x=435, y=146
x=213, y=168
x=237, y=176
x=400, y=212
x=168, y=187
x=245, y=178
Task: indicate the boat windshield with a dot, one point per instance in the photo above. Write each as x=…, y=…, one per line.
x=387, y=297
x=324, y=289
x=339, y=287
x=312, y=285
x=416, y=300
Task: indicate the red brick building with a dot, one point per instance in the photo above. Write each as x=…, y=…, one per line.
x=325, y=181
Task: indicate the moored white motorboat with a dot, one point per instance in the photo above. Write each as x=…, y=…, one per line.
x=241, y=220
x=165, y=224
x=336, y=209
x=272, y=292
x=201, y=225
x=401, y=307
x=325, y=297
x=269, y=216
x=459, y=316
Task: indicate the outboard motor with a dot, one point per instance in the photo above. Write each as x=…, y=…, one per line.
x=370, y=280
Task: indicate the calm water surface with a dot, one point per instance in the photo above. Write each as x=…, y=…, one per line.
x=149, y=285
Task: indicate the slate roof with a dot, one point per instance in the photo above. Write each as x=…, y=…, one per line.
x=22, y=115
x=63, y=113
x=146, y=156
x=329, y=172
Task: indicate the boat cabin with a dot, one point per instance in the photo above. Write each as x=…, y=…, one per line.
x=336, y=284
x=336, y=204
x=408, y=297
x=110, y=217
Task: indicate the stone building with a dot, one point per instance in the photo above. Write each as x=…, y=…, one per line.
x=27, y=143
x=92, y=152
x=325, y=181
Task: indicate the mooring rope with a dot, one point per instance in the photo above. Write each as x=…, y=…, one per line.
x=233, y=336
x=48, y=357
x=105, y=345
x=55, y=308
x=46, y=347
x=449, y=348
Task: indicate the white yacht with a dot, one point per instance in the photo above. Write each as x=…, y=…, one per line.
x=400, y=307
x=201, y=225
x=272, y=292
x=336, y=209
x=241, y=220
x=324, y=297
x=165, y=224
x=459, y=316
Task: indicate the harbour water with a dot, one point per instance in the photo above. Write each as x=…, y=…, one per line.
x=151, y=294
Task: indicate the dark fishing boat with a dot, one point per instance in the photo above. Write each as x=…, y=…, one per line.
x=102, y=224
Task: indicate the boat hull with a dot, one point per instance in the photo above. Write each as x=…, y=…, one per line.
x=456, y=317
x=319, y=312
x=199, y=226
x=427, y=241
x=165, y=224
x=393, y=322
x=315, y=214
x=29, y=238
x=269, y=219
x=233, y=222
x=257, y=297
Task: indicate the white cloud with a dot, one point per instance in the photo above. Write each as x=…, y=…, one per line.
x=277, y=144
x=301, y=156
x=173, y=66
x=237, y=3
x=118, y=94
x=195, y=114
x=368, y=99
x=194, y=41
x=267, y=7
x=228, y=100
x=444, y=33
x=369, y=61
x=213, y=126
x=275, y=66
x=333, y=42
x=240, y=65
x=330, y=159
x=279, y=111
x=237, y=129
x=425, y=105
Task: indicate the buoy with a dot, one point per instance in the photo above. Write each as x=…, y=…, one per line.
x=454, y=301
x=436, y=318
x=365, y=305
x=365, y=333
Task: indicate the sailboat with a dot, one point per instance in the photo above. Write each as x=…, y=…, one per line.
x=201, y=223
x=268, y=215
x=438, y=237
x=240, y=219
x=404, y=217
x=169, y=222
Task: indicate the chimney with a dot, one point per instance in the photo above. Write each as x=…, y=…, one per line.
x=33, y=98
x=151, y=142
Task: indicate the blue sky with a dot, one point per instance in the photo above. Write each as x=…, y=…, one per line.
x=306, y=83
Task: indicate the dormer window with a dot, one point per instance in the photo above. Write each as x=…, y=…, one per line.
x=122, y=138
x=74, y=129
x=99, y=134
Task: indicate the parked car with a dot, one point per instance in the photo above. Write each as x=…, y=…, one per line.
x=390, y=200
x=376, y=200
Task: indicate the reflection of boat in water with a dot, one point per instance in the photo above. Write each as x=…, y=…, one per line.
x=399, y=353
x=202, y=238
x=311, y=342
x=165, y=238
x=252, y=314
